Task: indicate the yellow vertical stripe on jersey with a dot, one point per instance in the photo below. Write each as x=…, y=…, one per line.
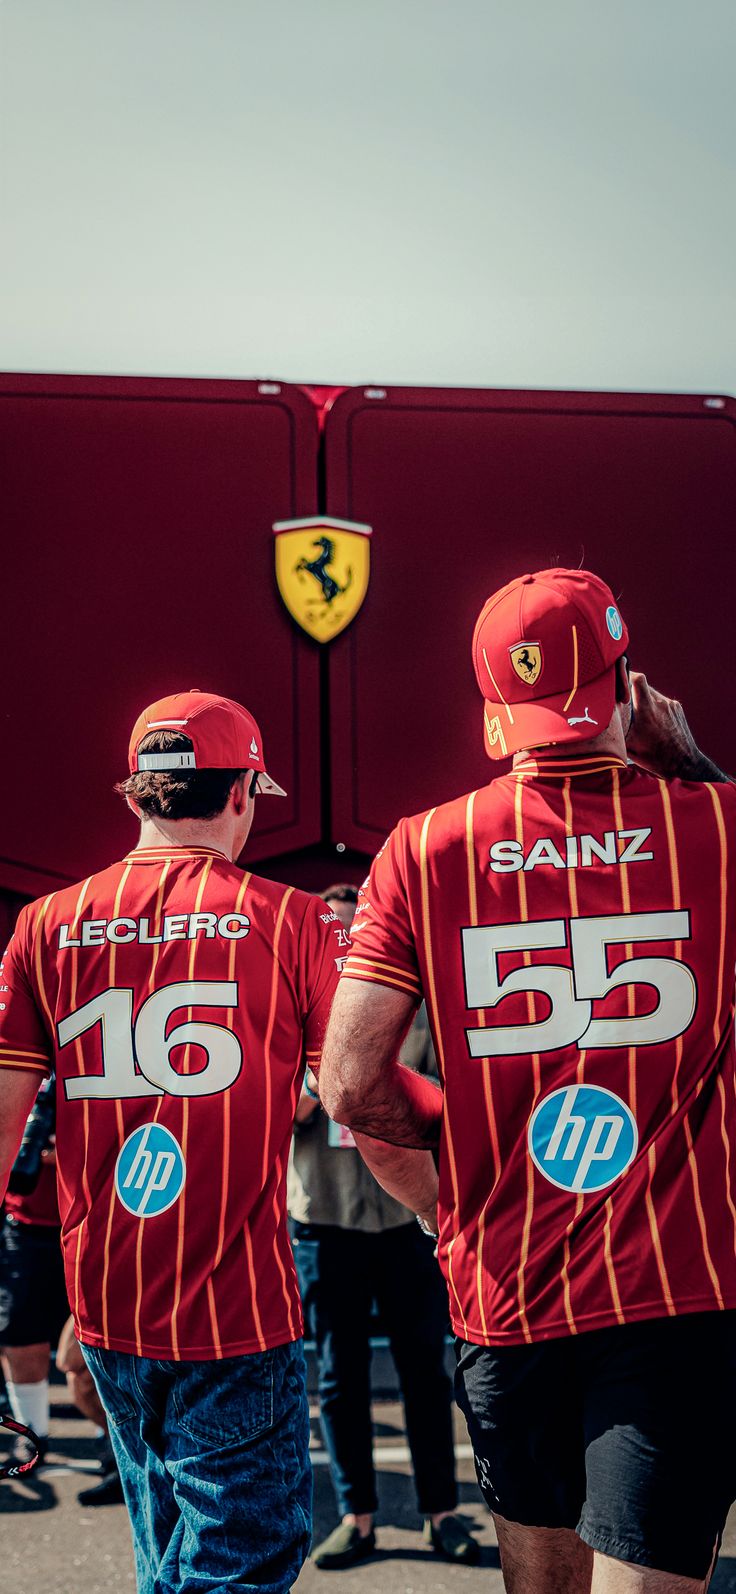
x=608, y=1254
x=141, y=1221
x=654, y=1231
x=275, y=972
x=157, y=916
x=676, y=903
x=429, y=957
x=532, y=1014
x=573, y=885
x=182, y=1204
x=652, y=1153
x=38, y=965
x=86, y=1190
x=288, y=1294
x=723, y=843
x=253, y=1287
x=279, y=1169
x=294, y=1292
x=225, y=1177
x=571, y=880
x=579, y=1204
x=713, y=1276
x=275, y=975
x=214, y=1325
x=226, y=1094
x=485, y=1061
x=120, y=1129
x=113, y=965
x=674, y=869
x=727, y=1151
x=626, y=905
x=718, y=1023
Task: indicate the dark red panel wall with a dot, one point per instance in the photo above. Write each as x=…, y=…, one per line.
x=138, y=558
x=464, y=490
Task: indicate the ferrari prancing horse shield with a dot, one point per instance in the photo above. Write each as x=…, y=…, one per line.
x=526, y=659
x=322, y=570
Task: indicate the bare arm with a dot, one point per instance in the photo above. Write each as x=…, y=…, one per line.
x=308, y=1102
x=394, y=1113
x=361, y=1083
x=18, y=1091
x=306, y=1108
x=409, y=1176
x=660, y=739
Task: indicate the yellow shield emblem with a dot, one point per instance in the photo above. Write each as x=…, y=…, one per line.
x=526, y=658
x=322, y=570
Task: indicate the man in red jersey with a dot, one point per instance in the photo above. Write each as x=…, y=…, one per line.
x=178, y=1000
x=573, y=928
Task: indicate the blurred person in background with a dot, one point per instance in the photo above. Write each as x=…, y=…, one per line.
x=354, y=1245
x=33, y=1301
x=81, y=1385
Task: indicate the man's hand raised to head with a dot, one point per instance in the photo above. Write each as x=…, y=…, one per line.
x=659, y=738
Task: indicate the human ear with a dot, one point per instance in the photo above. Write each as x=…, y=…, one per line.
x=623, y=684
x=239, y=795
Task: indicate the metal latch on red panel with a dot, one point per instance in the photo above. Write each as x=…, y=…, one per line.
x=322, y=570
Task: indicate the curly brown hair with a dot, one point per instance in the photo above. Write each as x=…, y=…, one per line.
x=178, y=793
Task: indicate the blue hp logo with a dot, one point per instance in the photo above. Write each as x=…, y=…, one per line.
x=150, y=1171
x=582, y=1138
x=614, y=622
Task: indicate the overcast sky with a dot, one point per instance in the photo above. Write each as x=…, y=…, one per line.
x=507, y=193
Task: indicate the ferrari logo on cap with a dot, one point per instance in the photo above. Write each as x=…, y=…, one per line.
x=322, y=570
x=526, y=658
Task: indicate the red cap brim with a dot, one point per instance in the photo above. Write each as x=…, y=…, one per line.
x=510, y=728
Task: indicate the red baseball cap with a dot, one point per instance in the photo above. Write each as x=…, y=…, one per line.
x=544, y=648
x=223, y=736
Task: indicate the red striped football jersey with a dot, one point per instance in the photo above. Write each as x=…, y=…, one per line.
x=573, y=928
x=178, y=1000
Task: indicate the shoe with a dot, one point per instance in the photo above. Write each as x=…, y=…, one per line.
x=105, y=1454
x=451, y=1540
x=109, y=1491
x=24, y=1449
x=343, y=1547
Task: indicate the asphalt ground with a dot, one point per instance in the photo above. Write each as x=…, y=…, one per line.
x=50, y=1545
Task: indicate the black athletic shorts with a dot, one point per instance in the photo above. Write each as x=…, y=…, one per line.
x=627, y=1435
x=33, y=1301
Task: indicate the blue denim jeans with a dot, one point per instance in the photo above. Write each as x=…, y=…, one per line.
x=214, y=1461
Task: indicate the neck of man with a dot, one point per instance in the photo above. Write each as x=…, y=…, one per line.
x=610, y=744
x=216, y=834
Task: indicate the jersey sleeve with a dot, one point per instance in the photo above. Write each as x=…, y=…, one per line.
x=324, y=946
x=384, y=950
x=24, y=1042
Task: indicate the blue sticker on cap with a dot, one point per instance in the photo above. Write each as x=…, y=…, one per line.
x=615, y=623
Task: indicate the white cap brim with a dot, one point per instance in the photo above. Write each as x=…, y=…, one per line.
x=268, y=787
